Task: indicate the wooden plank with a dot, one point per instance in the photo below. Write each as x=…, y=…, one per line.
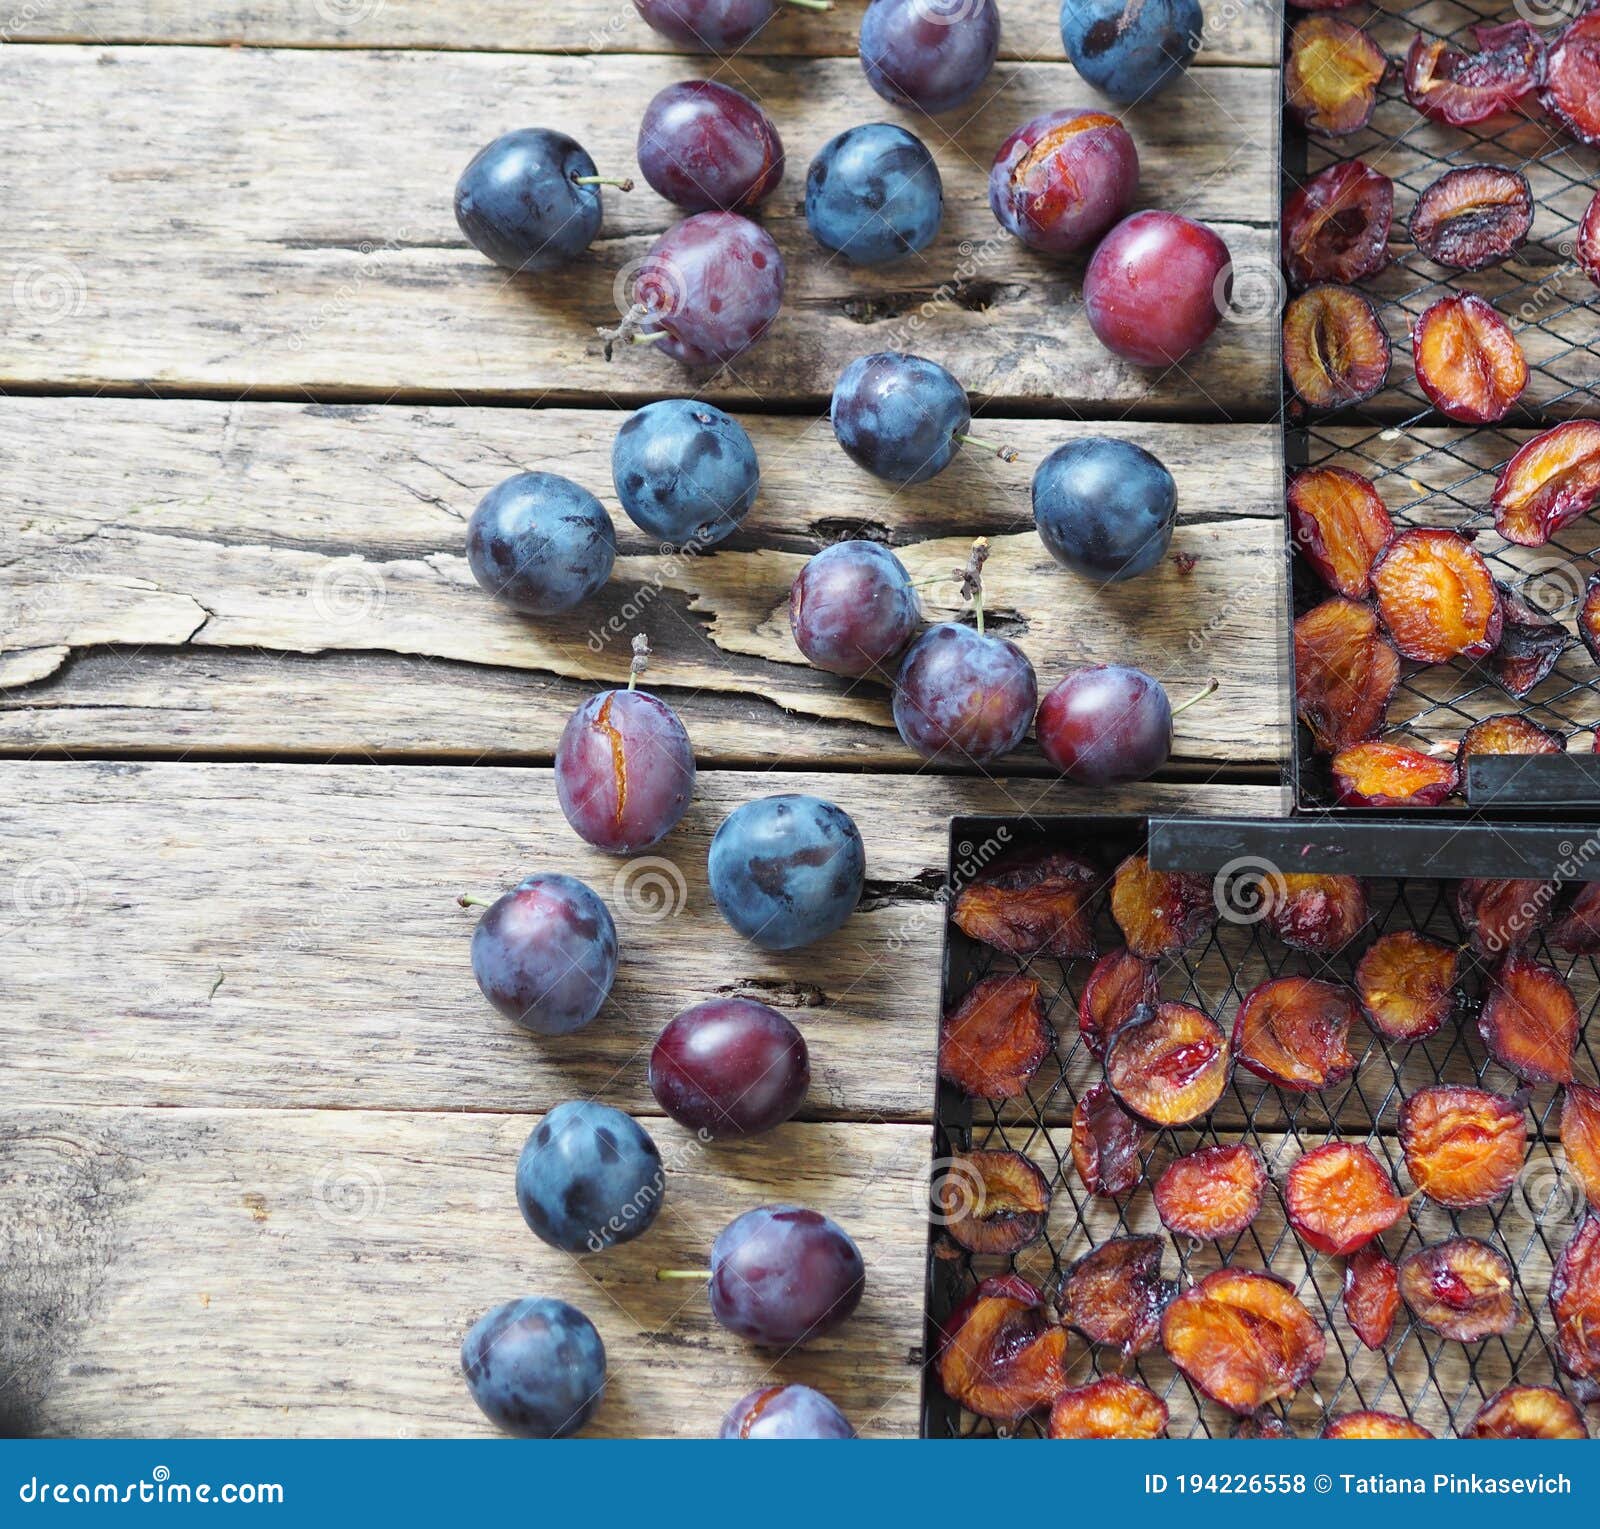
x=358, y=282
x=160, y=1266
x=1236, y=31
x=162, y=594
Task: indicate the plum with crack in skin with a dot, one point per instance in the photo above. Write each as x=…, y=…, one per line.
x=624, y=771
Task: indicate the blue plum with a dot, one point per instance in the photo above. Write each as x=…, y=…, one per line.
x=852, y=608
x=1104, y=508
x=930, y=54
x=782, y=1274
x=536, y=1367
x=1131, y=49
x=786, y=870
x=624, y=770
x=545, y=953
x=703, y=145
x=530, y=200
x=589, y=1178
x=900, y=417
x=540, y=543
x=785, y=1412
x=685, y=472
x=873, y=194
x=963, y=696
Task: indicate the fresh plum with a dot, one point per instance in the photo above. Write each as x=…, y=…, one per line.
x=1131, y=49
x=729, y=1067
x=535, y=1367
x=782, y=1275
x=785, y=1412
x=873, y=194
x=929, y=54
x=1106, y=725
x=1104, y=508
x=589, y=1178
x=685, y=472
x=1156, y=287
x=852, y=608
x=1060, y=181
x=530, y=200
x=540, y=543
x=705, y=146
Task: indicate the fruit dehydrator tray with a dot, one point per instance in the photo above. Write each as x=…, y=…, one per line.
x=1439, y=1383
x=1429, y=471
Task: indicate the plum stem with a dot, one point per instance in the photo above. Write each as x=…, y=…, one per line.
x=1212, y=686
x=811, y=5
x=622, y=183
x=665, y=1274
x=640, y=660
x=971, y=578
x=628, y=331
x=472, y=900
x=999, y=448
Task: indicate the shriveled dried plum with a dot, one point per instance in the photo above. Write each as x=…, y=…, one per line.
x=1013, y=1286
x=992, y=1043
x=1168, y=1065
x=1501, y=914
x=1374, y=1425
x=1571, y=91
x=1551, y=480
x=1506, y=733
x=1577, y=929
x=1463, y=1146
x=1109, y=1408
x=1005, y=1358
x=1575, y=1302
x=1161, y=912
x=1371, y=1295
x=1261, y=1425
x=1531, y=644
x=1295, y=1032
x=1437, y=596
x=1406, y=983
x=1586, y=250
x=1345, y=672
x=1336, y=226
x=1467, y=360
x=1589, y=616
x=1317, y=914
x=1332, y=76
x=1114, y=1295
x=1340, y=524
x=992, y=1202
x=1472, y=217
x=1335, y=349
x=1212, y=1194
x=1340, y=1196
x=1580, y=1137
x=1118, y=984
x=1462, y=1289
x=1378, y=774
x=1034, y=905
x=1526, y=1412
x=1242, y=1338
x=1472, y=89
x=1107, y=1144
x=1530, y=1021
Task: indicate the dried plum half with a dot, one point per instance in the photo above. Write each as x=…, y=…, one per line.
x=1035, y=905
x=1109, y=1408
x=1463, y=1146
x=1336, y=226
x=1575, y=1302
x=1530, y=1021
x=1168, y=1065
x=995, y=1039
x=1004, y=1356
x=1550, y=481
x=1212, y=1194
x=1335, y=349
x=1114, y=1295
x=1339, y=524
x=1371, y=1295
x=1332, y=76
x=1345, y=672
x=1340, y=1196
x=1295, y=1032
x=1407, y=985
x=1473, y=216
x=1462, y=1289
x=1526, y=1412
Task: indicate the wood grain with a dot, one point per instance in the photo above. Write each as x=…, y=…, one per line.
x=305, y=197
x=169, y=591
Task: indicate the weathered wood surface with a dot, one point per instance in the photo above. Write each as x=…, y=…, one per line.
x=272, y=1273
x=170, y=591
x=305, y=197
x=1236, y=31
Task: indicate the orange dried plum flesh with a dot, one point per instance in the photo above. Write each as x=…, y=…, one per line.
x=1589, y=616
x=1335, y=350
x=1168, y=1065
x=1461, y=1289
x=1345, y=672
x=1261, y=1425
x=1336, y=226
x=1107, y=1144
x=1118, y=984
x=1012, y=1285
x=993, y=1202
x=1463, y=1146
x=1295, y=1032
x=1377, y=774
x=1340, y=524
x=1527, y=1412
x=1467, y=361
x=1114, y=1295
x=1406, y=983
x=1502, y=914
x=1530, y=1021
x=1110, y=1408
x=1437, y=597
x=1212, y=1194
x=1371, y=1295
x=1317, y=914
x=1506, y=734
x=995, y=1039
x=1242, y=1338
x=1161, y=912
x=1005, y=1359
x=1577, y=930
x=1034, y=905
x=1575, y=1302
x=1470, y=89
x=1374, y=1425
x=1580, y=1137
x=1571, y=91
x=1331, y=79
x=1340, y=1196
x=1551, y=480
x=1531, y=644
x=1472, y=217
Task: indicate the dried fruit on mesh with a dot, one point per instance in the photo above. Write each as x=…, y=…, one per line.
x=1526, y=1412
x=1371, y=1295
x=1464, y=89
x=1004, y=1355
x=1577, y=928
x=1380, y=774
x=1340, y=1196
x=1500, y=913
x=1437, y=597
x=1161, y=912
x=1530, y=1021
x=1467, y=361
x=1243, y=1338
x=1473, y=216
x=1295, y=1032
x=995, y=1039
x=1462, y=1289
x=1575, y=1302
x=1589, y=616
x=1340, y=525
x=1549, y=482
x=992, y=1202
x=1407, y=985
x=1318, y=914
x=1336, y=226
x=1114, y=1295
x=1335, y=349
x=1168, y=1065
x=1107, y=1144
x=1012, y=1285
x=1571, y=91
x=1118, y=984
x=1531, y=644
x=1580, y=1137
x=1374, y=1425
x=1345, y=672
x=1463, y=1146
x=1506, y=733
x=1331, y=79
x=1587, y=251
x=1261, y=1425
x=1212, y=1194
x=1035, y=905
x=1110, y=1408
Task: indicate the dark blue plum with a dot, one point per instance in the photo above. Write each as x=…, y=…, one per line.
x=964, y=697
x=782, y=1274
x=545, y=954
x=785, y=1412
x=520, y=202
x=536, y=1367
x=873, y=194
x=931, y=54
x=589, y=1178
x=1104, y=508
x=685, y=472
x=852, y=608
x=786, y=870
x=900, y=417
x=540, y=543
x=1131, y=49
